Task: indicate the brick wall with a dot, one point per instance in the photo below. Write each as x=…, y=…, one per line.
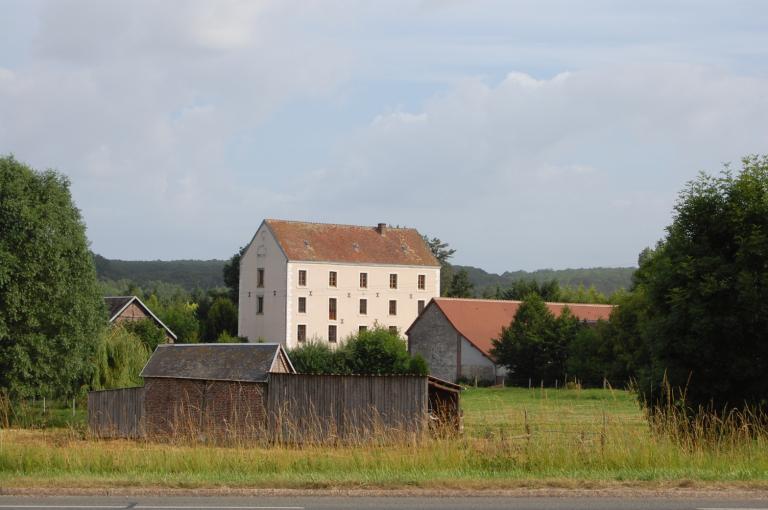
x=135, y=313
x=195, y=408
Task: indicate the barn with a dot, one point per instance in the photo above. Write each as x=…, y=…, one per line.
x=131, y=308
x=250, y=390
x=455, y=335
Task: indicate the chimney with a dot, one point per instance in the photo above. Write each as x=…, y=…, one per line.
x=381, y=227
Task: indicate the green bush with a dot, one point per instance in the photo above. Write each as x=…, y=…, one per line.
x=376, y=351
x=150, y=334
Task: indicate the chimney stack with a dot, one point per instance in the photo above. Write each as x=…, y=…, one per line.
x=381, y=227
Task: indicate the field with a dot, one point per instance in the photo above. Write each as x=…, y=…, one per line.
x=513, y=437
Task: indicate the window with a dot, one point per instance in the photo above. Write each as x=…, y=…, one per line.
x=302, y=305
x=260, y=305
x=363, y=307
x=392, y=307
x=260, y=277
x=422, y=282
x=363, y=280
x=362, y=329
x=301, y=334
x=393, y=281
x=332, y=279
x=332, y=309
x=393, y=330
x=421, y=305
x=332, y=333
x=302, y=277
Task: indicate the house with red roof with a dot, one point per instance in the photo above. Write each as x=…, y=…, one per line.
x=455, y=336
x=302, y=281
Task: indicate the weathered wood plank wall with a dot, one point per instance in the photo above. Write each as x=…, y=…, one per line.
x=322, y=408
x=116, y=413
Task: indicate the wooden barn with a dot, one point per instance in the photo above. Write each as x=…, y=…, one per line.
x=252, y=390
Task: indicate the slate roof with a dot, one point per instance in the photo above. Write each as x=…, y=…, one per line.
x=214, y=362
x=481, y=320
x=116, y=305
x=325, y=242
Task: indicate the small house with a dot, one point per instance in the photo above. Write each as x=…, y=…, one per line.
x=131, y=308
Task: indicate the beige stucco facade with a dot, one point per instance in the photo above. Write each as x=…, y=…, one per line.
x=281, y=317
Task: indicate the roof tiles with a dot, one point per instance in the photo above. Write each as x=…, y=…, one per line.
x=324, y=242
x=480, y=320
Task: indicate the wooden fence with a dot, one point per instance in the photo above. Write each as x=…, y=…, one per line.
x=116, y=413
x=322, y=408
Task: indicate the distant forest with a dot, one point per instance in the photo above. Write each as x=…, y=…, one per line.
x=606, y=280
x=189, y=274
x=207, y=274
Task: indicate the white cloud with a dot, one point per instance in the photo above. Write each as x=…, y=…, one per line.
x=586, y=163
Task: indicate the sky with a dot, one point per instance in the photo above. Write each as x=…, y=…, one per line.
x=527, y=134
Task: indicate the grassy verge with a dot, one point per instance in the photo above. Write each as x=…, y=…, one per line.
x=576, y=437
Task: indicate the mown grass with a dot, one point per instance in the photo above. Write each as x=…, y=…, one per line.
x=576, y=437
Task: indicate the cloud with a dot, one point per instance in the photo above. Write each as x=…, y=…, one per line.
x=587, y=162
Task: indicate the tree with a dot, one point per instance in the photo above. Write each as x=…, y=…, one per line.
x=150, y=334
x=52, y=314
x=461, y=286
x=705, y=286
x=548, y=290
x=376, y=351
x=120, y=359
x=442, y=253
x=535, y=346
x=221, y=317
x=231, y=273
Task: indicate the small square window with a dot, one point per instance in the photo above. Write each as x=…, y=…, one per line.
x=260, y=277
x=260, y=305
x=392, y=307
x=301, y=334
x=422, y=282
x=421, y=306
x=363, y=307
x=302, y=305
x=302, y=277
x=393, y=281
x=332, y=333
x=393, y=330
x=332, y=309
x=363, y=280
x=332, y=279
x=362, y=329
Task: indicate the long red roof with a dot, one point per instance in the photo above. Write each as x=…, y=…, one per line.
x=481, y=320
x=325, y=242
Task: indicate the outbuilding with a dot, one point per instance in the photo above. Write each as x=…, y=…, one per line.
x=455, y=336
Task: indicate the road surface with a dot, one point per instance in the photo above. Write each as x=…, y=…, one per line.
x=373, y=503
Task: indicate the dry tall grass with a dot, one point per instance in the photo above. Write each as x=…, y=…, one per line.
x=542, y=441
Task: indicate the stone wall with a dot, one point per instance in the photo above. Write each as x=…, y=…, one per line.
x=437, y=341
x=192, y=408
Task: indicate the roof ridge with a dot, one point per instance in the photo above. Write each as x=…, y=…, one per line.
x=487, y=300
x=337, y=224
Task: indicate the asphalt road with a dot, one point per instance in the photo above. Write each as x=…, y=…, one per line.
x=370, y=503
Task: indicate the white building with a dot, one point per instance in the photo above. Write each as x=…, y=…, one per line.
x=304, y=281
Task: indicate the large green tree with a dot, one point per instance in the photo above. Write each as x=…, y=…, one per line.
x=706, y=291
x=443, y=253
x=51, y=311
x=535, y=346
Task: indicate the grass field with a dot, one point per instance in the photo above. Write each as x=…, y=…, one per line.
x=513, y=437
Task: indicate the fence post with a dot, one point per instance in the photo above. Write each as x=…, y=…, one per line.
x=603, y=434
x=527, y=426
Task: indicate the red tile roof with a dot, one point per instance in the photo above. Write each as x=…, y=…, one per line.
x=323, y=242
x=481, y=320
